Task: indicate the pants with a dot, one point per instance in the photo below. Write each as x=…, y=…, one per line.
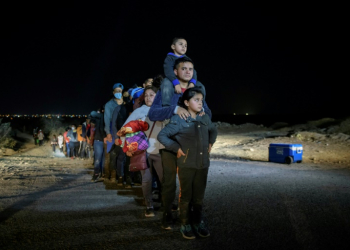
x=169, y=162
x=82, y=149
x=53, y=147
x=74, y=147
x=168, y=90
x=192, y=188
x=41, y=142
x=154, y=162
x=116, y=161
x=68, y=149
x=106, y=170
x=99, y=157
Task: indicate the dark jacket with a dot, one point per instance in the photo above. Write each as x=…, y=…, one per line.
x=119, y=117
x=159, y=113
x=168, y=65
x=99, y=133
x=192, y=136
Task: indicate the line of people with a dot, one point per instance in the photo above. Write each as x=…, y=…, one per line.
x=180, y=136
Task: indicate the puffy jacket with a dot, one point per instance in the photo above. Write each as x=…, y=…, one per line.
x=192, y=136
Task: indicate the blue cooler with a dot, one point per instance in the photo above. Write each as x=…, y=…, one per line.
x=285, y=153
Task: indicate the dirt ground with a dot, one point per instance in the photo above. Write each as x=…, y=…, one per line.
x=324, y=146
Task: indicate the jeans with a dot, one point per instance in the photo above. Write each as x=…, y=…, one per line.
x=154, y=161
x=68, y=149
x=167, y=88
x=82, y=149
x=53, y=147
x=99, y=157
x=74, y=147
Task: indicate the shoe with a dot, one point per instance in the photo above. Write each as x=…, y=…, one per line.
x=187, y=232
x=174, y=207
x=167, y=221
x=113, y=180
x=94, y=178
x=72, y=158
x=120, y=181
x=128, y=182
x=201, y=229
x=149, y=212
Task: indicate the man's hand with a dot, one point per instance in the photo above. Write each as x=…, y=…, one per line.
x=109, y=138
x=191, y=85
x=209, y=149
x=183, y=113
x=128, y=153
x=178, y=88
x=180, y=153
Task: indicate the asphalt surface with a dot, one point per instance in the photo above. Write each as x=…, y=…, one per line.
x=248, y=205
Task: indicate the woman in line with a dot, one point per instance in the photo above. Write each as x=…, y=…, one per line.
x=153, y=158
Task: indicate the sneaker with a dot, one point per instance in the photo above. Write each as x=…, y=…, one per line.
x=187, y=232
x=167, y=221
x=149, y=212
x=94, y=178
x=201, y=229
x=120, y=181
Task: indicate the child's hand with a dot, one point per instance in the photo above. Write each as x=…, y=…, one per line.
x=180, y=153
x=128, y=153
x=178, y=88
x=209, y=149
x=191, y=85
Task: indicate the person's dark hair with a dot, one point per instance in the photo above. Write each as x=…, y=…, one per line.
x=176, y=39
x=188, y=94
x=152, y=88
x=157, y=80
x=182, y=60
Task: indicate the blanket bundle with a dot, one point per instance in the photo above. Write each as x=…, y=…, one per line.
x=135, y=138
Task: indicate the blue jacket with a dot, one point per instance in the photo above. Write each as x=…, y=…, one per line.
x=159, y=113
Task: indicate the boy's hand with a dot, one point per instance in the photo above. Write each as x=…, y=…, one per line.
x=209, y=149
x=191, y=85
x=183, y=113
x=178, y=88
x=180, y=153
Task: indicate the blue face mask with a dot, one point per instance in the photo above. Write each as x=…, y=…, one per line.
x=118, y=95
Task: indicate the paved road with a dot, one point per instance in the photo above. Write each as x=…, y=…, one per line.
x=248, y=205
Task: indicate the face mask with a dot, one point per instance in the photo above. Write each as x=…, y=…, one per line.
x=118, y=95
x=73, y=128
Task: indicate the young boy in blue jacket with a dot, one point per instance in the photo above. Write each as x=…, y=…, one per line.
x=171, y=82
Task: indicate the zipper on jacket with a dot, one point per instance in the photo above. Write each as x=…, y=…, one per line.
x=186, y=155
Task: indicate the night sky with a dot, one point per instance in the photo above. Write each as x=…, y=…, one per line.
x=252, y=57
